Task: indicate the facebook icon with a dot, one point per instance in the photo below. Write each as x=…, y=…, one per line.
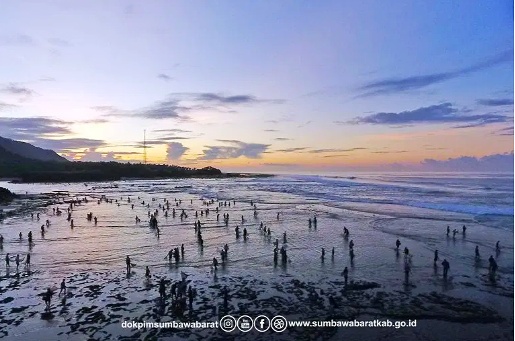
x=262, y=323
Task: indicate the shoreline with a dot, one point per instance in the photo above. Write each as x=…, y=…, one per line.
x=221, y=176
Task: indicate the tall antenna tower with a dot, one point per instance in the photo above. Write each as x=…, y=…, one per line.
x=145, y=146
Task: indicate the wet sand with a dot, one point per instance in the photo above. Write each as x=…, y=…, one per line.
x=92, y=259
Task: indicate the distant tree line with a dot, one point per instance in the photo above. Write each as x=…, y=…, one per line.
x=14, y=166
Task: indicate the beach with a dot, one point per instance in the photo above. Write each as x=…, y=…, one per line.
x=376, y=209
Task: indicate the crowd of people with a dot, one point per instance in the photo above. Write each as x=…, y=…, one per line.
x=179, y=292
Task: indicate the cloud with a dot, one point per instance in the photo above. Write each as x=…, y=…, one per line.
x=175, y=150
x=28, y=128
x=389, y=151
x=508, y=131
x=282, y=139
x=495, y=162
x=45, y=132
x=236, y=99
x=248, y=150
x=399, y=85
x=440, y=113
x=271, y=130
x=171, y=131
x=335, y=155
x=283, y=118
x=47, y=79
x=160, y=110
x=165, y=77
x=57, y=42
x=274, y=164
x=17, y=40
x=15, y=89
x=333, y=150
x=107, y=109
x=230, y=141
x=94, y=121
x=163, y=110
x=495, y=102
x=304, y=124
x=4, y=105
x=177, y=104
x=68, y=144
x=92, y=155
x=291, y=150
x=173, y=138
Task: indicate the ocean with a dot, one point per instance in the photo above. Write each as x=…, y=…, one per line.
x=376, y=208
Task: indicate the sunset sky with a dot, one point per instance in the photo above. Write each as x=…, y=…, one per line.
x=265, y=86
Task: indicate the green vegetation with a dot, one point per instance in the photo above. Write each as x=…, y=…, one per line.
x=29, y=170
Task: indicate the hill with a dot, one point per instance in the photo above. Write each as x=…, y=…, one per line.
x=13, y=165
x=29, y=151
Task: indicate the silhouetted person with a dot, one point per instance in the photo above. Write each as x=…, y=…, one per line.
x=215, y=263
x=464, y=229
x=492, y=262
x=351, y=254
x=332, y=253
x=128, y=263
x=351, y=244
x=448, y=230
x=323, y=254
x=47, y=297
x=190, y=297
x=436, y=257
x=284, y=256
x=162, y=289
x=147, y=273
x=446, y=267
x=244, y=233
x=63, y=287
x=315, y=221
x=477, y=252
x=398, y=243
x=406, y=251
x=309, y=222
x=345, y=274
x=275, y=256
x=407, y=270
x=284, y=237
x=493, y=268
x=497, y=247
x=27, y=260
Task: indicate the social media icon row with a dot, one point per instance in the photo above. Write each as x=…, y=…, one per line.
x=245, y=323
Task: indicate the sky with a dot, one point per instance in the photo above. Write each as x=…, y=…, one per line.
x=263, y=86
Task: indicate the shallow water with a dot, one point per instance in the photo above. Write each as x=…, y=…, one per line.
x=376, y=209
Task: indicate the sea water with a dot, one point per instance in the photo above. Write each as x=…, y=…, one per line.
x=376, y=208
